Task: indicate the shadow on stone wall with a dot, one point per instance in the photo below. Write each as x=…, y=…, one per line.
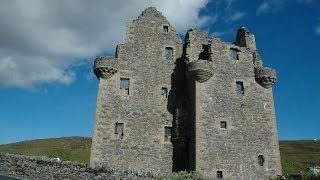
x=179, y=105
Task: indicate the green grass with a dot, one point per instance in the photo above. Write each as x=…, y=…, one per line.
x=296, y=156
x=67, y=148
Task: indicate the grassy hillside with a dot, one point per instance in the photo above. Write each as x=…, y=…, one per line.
x=296, y=156
x=67, y=148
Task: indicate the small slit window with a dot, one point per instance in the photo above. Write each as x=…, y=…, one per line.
x=124, y=85
x=261, y=160
x=117, y=52
x=239, y=88
x=233, y=54
x=167, y=133
x=168, y=53
x=254, y=57
x=219, y=175
x=164, y=92
x=223, y=125
x=165, y=29
x=118, y=130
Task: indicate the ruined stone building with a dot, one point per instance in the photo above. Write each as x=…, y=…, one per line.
x=200, y=105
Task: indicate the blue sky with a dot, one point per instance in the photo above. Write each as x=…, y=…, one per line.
x=47, y=88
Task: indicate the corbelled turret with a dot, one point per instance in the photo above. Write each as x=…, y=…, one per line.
x=104, y=67
x=199, y=56
x=266, y=77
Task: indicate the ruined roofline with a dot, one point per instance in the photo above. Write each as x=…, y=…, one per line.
x=243, y=37
x=106, y=67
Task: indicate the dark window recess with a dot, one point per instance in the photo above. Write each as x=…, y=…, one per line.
x=168, y=53
x=261, y=160
x=233, y=54
x=118, y=130
x=254, y=57
x=117, y=52
x=239, y=88
x=223, y=125
x=167, y=133
x=165, y=28
x=205, y=52
x=164, y=92
x=125, y=84
x=219, y=175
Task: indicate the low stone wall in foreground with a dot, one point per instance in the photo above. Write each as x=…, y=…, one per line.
x=41, y=167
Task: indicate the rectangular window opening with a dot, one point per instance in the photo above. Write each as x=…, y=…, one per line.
x=164, y=92
x=223, y=125
x=234, y=54
x=219, y=175
x=168, y=53
x=261, y=160
x=118, y=130
x=239, y=88
x=165, y=28
x=124, y=85
x=167, y=133
x=117, y=52
x=204, y=55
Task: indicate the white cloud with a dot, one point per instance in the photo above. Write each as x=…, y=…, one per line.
x=231, y=14
x=219, y=34
x=263, y=8
x=271, y=6
x=27, y=71
x=237, y=16
x=305, y=1
x=41, y=40
x=317, y=28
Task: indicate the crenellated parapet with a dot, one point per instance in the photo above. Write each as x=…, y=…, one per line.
x=105, y=67
x=266, y=77
x=199, y=70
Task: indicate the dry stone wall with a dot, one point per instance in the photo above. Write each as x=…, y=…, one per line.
x=41, y=167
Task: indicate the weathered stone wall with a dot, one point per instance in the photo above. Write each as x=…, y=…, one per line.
x=201, y=78
x=250, y=118
x=144, y=111
x=36, y=167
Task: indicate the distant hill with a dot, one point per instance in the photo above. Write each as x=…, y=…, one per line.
x=296, y=156
x=66, y=148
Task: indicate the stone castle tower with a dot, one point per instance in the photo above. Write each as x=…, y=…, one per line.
x=203, y=105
